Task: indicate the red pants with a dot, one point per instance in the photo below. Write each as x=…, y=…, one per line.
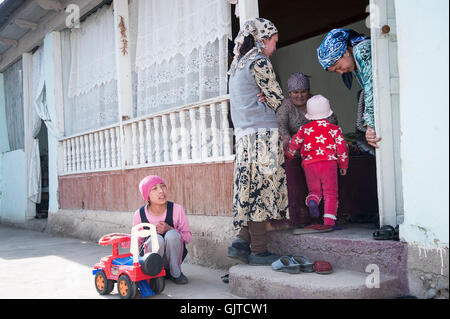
x=322, y=178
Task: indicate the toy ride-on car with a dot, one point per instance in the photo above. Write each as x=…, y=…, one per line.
x=130, y=271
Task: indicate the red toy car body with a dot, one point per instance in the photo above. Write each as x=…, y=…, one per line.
x=126, y=270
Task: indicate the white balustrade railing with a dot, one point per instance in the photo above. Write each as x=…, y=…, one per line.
x=192, y=134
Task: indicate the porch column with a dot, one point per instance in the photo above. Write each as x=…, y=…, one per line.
x=248, y=9
x=124, y=85
x=27, y=76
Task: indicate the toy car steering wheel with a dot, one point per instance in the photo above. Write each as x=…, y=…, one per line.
x=115, y=238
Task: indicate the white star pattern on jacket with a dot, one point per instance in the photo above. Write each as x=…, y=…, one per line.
x=323, y=123
x=309, y=131
x=308, y=147
x=321, y=139
x=339, y=140
x=333, y=132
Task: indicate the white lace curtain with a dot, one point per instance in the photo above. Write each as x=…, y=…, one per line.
x=89, y=73
x=14, y=105
x=181, y=54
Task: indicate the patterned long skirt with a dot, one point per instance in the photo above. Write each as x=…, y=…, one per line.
x=260, y=188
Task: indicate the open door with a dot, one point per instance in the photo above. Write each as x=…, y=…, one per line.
x=386, y=108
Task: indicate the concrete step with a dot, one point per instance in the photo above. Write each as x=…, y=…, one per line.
x=352, y=248
x=261, y=282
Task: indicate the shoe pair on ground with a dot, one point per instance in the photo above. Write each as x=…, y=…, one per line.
x=181, y=280
x=240, y=250
x=296, y=264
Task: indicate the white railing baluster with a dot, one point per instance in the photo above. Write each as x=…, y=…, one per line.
x=92, y=151
x=174, y=136
x=148, y=131
x=203, y=132
x=72, y=155
x=165, y=138
x=214, y=131
x=107, y=150
x=65, y=170
x=118, y=147
x=184, y=136
x=112, y=133
x=87, y=164
x=157, y=140
x=82, y=159
x=226, y=132
x=102, y=148
x=96, y=151
x=134, y=143
x=141, y=142
x=194, y=134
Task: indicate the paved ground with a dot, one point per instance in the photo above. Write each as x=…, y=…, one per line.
x=39, y=265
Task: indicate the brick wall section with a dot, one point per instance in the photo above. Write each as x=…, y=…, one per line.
x=203, y=189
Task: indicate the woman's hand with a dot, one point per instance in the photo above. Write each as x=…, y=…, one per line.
x=162, y=228
x=261, y=97
x=372, y=138
x=343, y=171
x=285, y=142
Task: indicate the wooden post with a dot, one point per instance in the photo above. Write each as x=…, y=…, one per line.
x=124, y=86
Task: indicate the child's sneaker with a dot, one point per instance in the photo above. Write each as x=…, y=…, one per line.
x=313, y=208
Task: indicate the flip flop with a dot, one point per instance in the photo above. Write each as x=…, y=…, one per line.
x=286, y=264
x=305, y=264
x=323, y=267
x=312, y=229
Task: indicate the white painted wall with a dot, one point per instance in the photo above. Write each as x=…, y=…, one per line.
x=13, y=204
x=423, y=33
x=302, y=57
x=13, y=187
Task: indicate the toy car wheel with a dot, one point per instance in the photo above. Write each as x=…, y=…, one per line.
x=127, y=289
x=103, y=285
x=157, y=285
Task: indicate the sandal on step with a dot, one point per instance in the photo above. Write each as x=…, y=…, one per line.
x=286, y=264
x=322, y=267
x=386, y=232
x=305, y=264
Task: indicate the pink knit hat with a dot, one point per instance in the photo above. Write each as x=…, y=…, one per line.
x=318, y=107
x=147, y=183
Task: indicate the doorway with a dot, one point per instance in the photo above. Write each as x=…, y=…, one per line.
x=42, y=207
x=302, y=26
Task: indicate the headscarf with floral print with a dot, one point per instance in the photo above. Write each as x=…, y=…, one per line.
x=260, y=29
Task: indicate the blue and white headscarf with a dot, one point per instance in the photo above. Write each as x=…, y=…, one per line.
x=335, y=44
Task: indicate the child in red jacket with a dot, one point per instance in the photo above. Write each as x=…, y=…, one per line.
x=323, y=149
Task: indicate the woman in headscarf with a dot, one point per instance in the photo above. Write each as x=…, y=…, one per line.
x=260, y=191
x=345, y=51
x=291, y=116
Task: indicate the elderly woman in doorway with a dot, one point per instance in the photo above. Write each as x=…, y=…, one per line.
x=260, y=190
x=291, y=116
x=171, y=224
x=345, y=51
